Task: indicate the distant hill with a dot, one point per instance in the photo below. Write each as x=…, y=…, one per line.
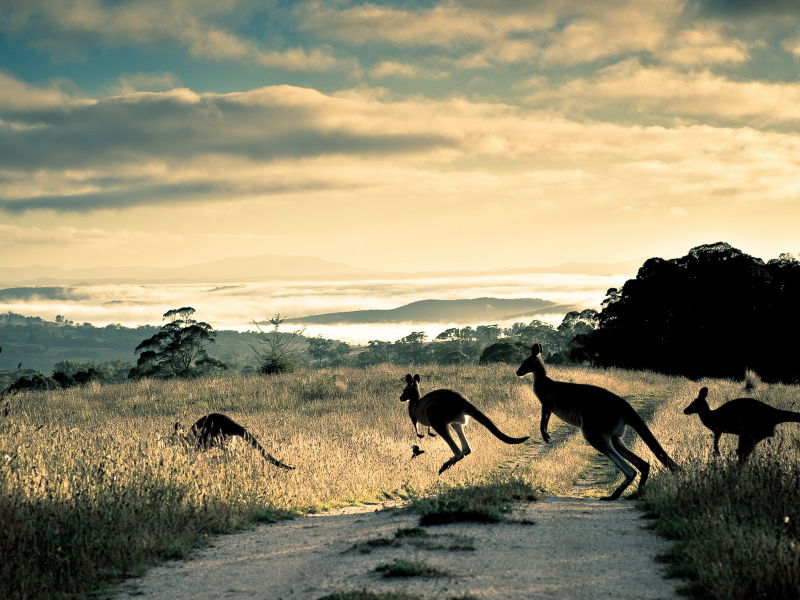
x=39, y=344
x=476, y=310
x=265, y=267
x=248, y=268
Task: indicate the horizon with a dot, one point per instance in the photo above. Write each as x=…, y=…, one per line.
x=429, y=136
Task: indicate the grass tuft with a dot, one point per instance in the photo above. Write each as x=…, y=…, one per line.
x=487, y=501
x=368, y=595
x=410, y=568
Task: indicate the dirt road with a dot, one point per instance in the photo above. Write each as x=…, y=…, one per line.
x=576, y=548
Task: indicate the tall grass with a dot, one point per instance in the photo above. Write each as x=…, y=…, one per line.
x=93, y=484
x=737, y=529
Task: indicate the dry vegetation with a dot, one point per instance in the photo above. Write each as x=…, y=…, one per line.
x=93, y=485
x=737, y=528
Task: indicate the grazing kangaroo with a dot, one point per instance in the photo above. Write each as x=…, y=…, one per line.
x=212, y=430
x=442, y=409
x=601, y=416
x=750, y=419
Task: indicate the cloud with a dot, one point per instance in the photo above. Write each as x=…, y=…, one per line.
x=478, y=35
x=206, y=29
x=148, y=148
x=704, y=45
x=17, y=95
x=129, y=83
x=669, y=92
x=72, y=237
x=391, y=68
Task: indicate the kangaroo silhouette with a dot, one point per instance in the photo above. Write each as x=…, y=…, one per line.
x=442, y=409
x=601, y=416
x=214, y=429
x=750, y=419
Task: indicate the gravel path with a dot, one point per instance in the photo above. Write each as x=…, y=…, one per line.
x=577, y=548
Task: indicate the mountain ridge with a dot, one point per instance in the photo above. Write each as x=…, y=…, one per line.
x=272, y=266
x=440, y=311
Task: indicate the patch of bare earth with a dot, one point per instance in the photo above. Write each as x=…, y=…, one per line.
x=577, y=548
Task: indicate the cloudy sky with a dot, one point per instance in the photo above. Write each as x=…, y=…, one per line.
x=411, y=136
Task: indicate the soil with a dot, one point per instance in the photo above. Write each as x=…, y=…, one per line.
x=555, y=548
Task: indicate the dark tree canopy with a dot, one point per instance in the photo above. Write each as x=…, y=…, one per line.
x=178, y=350
x=512, y=353
x=712, y=313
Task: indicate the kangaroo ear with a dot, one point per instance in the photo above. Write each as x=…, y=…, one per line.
x=536, y=350
x=409, y=379
x=416, y=377
x=177, y=425
x=703, y=392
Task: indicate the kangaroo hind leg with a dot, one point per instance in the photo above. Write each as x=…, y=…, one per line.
x=642, y=465
x=444, y=433
x=602, y=442
x=459, y=429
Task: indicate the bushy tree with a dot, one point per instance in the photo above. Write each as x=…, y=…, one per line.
x=376, y=353
x=411, y=349
x=276, y=351
x=711, y=313
x=511, y=353
x=178, y=350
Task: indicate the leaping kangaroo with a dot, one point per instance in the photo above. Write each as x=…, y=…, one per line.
x=601, y=416
x=750, y=419
x=212, y=430
x=442, y=409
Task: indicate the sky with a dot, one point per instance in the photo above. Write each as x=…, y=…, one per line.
x=455, y=135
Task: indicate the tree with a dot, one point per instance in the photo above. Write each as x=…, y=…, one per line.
x=512, y=353
x=376, y=353
x=411, y=349
x=178, y=350
x=277, y=352
x=712, y=313
x=319, y=349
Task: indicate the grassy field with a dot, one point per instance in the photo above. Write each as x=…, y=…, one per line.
x=93, y=485
x=737, y=529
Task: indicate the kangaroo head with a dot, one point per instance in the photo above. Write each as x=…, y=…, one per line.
x=411, y=392
x=529, y=364
x=698, y=403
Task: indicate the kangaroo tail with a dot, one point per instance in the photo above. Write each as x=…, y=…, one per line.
x=632, y=418
x=267, y=456
x=481, y=418
x=788, y=416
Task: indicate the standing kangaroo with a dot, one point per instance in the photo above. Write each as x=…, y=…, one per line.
x=212, y=430
x=442, y=409
x=750, y=419
x=601, y=416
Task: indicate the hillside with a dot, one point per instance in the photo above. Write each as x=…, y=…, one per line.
x=476, y=310
x=39, y=344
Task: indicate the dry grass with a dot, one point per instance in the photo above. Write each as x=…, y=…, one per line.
x=93, y=485
x=737, y=529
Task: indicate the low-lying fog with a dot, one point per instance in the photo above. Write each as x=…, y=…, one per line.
x=235, y=306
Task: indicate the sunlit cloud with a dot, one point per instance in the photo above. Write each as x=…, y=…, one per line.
x=151, y=82
x=180, y=146
x=204, y=29
x=672, y=92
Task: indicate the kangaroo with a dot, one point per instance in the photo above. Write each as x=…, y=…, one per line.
x=601, y=416
x=750, y=419
x=212, y=430
x=442, y=409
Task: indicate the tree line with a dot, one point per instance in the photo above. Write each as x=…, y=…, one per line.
x=715, y=312
x=181, y=348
